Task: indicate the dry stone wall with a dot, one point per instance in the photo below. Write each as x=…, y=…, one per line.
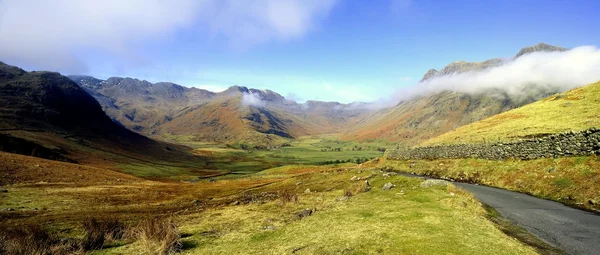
x=581, y=143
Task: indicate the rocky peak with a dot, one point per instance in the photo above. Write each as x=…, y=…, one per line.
x=539, y=47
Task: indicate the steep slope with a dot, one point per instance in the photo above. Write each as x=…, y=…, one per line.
x=46, y=114
x=574, y=110
x=423, y=117
x=140, y=105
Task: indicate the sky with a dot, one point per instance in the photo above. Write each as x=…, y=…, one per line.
x=330, y=50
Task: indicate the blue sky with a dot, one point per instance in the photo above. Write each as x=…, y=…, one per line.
x=346, y=50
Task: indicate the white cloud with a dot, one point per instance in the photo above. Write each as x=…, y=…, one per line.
x=52, y=34
x=250, y=99
x=560, y=70
x=210, y=87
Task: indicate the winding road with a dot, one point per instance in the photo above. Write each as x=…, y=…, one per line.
x=572, y=230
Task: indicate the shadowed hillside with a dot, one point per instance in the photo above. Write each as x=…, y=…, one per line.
x=47, y=115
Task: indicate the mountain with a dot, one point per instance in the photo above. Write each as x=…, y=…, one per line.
x=241, y=115
x=426, y=116
x=573, y=110
x=464, y=66
x=539, y=47
x=237, y=115
x=47, y=115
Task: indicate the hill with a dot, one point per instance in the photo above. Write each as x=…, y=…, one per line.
x=47, y=115
x=569, y=111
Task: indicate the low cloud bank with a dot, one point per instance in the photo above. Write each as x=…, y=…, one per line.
x=250, y=99
x=546, y=71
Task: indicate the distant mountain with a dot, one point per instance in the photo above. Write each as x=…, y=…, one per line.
x=46, y=114
x=464, y=66
x=263, y=117
x=415, y=120
x=539, y=47
x=236, y=115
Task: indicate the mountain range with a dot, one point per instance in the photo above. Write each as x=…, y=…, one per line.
x=241, y=115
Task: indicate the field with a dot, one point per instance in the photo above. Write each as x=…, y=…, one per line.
x=264, y=212
x=319, y=150
x=572, y=110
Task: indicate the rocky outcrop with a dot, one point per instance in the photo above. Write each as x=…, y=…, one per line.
x=582, y=143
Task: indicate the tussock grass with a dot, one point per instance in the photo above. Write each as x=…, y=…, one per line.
x=100, y=231
x=573, y=110
x=288, y=197
x=158, y=236
x=35, y=240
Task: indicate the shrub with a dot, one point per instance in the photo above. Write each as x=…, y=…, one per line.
x=158, y=236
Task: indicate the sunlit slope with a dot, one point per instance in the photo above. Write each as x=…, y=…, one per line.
x=577, y=109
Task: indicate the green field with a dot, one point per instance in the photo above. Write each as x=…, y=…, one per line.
x=304, y=151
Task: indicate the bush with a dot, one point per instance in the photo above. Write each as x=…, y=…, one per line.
x=158, y=236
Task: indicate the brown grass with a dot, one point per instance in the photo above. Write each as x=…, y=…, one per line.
x=100, y=231
x=35, y=240
x=356, y=189
x=287, y=197
x=158, y=236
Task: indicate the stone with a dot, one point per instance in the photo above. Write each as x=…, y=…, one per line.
x=367, y=186
x=197, y=202
x=431, y=183
x=298, y=183
x=354, y=178
x=269, y=228
x=388, y=186
x=235, y=203
x=3, y=191
x=344, y=198
x=307, y=191
x=304, y=213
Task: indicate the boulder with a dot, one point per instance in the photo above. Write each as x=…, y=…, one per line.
x=304, y=213
x=388, y=186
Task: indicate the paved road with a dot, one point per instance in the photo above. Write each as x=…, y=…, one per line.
x=572, y=230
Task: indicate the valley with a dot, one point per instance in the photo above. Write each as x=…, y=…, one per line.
x=126, y=166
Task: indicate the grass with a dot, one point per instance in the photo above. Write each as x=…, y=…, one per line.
x=573, y=110
x=258, y=213
x=573, y=180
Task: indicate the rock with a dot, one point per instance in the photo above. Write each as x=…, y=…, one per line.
x=592, y=202
x=197, y=202
x=269, y=228
x=3, y=191
x=304, y=213
x=235, y=203
x=344, y=198
x=367, y=186
x=431, y=183
x=354, y=178
x=386, y=175
x=298, y=183
x=307, y=191
x=388, y=186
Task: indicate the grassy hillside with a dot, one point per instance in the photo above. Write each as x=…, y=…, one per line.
x=577, y=109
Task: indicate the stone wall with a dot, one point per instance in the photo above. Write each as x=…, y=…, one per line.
x=581, y=143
